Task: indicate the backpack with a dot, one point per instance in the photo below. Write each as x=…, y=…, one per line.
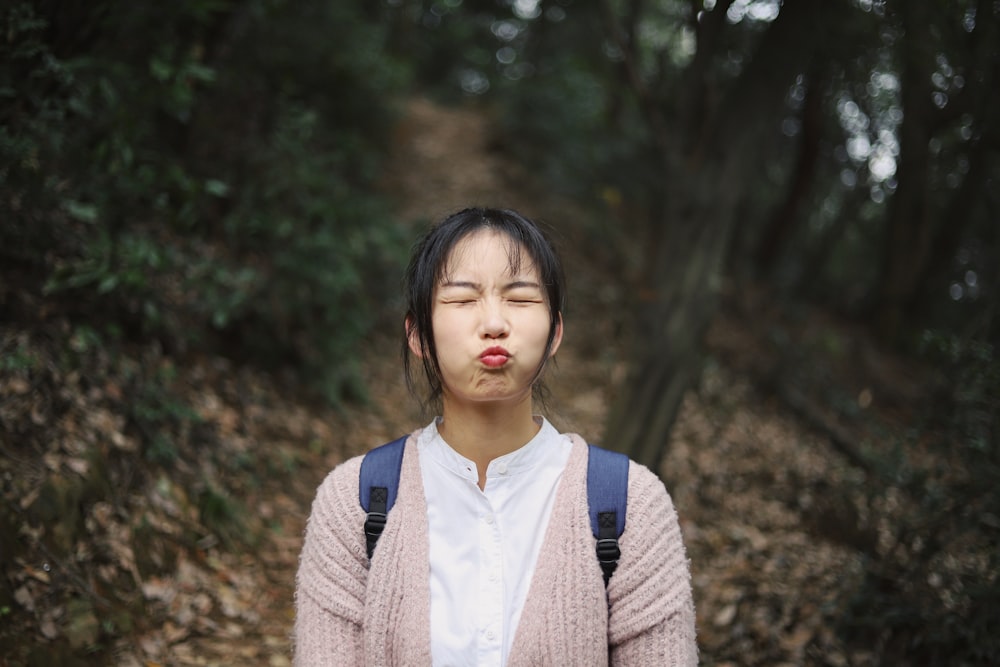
x=607, y=496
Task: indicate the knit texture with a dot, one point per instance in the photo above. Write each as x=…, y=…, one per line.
x=346, y=615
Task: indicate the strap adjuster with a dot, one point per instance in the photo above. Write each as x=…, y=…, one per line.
x=608, y=551
x=607, y=556
x=374, y=525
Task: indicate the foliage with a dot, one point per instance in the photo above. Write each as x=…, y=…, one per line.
x=576, y=129
x=540, y=67
x=621, y=102
x=38, y=101
x=203, y=172
x=161, y=418
x=178, y=179
x=930, y=596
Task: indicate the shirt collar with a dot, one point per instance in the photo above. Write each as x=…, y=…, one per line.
x=536, y=451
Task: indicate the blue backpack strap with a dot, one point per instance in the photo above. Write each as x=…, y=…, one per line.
x=378, y=484
x=607, y=498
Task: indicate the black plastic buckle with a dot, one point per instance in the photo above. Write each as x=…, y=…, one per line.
x=608, y=551
x=375, y=524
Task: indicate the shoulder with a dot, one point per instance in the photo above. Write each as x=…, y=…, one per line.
x=645, y=488
x=340, y=487
x=342, y=478
x=652, y=583
x=647, y=503
x=651, y=508
x=336, y=514
x=337, y=506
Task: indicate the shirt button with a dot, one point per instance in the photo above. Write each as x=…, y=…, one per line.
x=502, y=468
x=488, y=519
x=491, y=635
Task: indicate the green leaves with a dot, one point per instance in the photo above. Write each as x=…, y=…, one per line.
x=81, y=211
x=204, y=173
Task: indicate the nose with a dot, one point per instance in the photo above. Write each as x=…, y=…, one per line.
x=494, y=323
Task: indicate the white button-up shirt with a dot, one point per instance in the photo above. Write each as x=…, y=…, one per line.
x=484, y=543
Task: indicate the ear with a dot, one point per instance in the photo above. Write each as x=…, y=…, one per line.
x=413, y=338
x=557, y=339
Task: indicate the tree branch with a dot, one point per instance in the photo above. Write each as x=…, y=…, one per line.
x=647, y=104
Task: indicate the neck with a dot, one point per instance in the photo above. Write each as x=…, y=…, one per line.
x=482, y=433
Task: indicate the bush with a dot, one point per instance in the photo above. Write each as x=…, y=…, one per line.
x=931, y=594
x=204, y=173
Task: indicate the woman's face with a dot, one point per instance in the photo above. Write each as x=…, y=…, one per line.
x=490, y=325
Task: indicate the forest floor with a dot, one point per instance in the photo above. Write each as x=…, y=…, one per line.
x=754, y=470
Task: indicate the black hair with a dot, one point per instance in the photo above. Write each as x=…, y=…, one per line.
x=429, y=261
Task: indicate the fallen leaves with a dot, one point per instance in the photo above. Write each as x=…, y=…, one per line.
x=109, y=554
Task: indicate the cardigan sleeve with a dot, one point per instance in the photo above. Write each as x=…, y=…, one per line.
x=331, y=579
x=651, y=617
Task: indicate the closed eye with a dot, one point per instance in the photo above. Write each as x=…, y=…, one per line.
x=524, y=297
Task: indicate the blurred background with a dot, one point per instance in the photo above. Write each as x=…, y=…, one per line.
x=780, y=225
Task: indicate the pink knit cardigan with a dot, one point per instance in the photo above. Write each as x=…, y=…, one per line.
x=347, y=615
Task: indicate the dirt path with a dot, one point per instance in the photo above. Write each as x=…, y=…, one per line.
x=443, y=161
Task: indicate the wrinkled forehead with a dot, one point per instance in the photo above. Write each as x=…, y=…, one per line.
x=466, y=249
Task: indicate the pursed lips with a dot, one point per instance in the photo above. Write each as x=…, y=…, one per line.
x=494, y=357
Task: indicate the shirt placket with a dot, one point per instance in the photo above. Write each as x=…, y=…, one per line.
x=490, y=598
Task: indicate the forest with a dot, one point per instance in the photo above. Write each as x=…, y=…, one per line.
x=779, y=220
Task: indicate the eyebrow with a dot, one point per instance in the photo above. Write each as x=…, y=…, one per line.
x=516, y=284
x=521, y=283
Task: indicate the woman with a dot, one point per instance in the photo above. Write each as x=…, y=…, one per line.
x=487, y=557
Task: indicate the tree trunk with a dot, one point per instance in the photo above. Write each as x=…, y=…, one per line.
x=909, y=227
x=703, y=191
x=785, y=219
x=918, y=250
x=959, y=214
x=672, y=322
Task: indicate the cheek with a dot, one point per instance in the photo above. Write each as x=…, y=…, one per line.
x=444, y=325
x=535, y=331
x=540, y=321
